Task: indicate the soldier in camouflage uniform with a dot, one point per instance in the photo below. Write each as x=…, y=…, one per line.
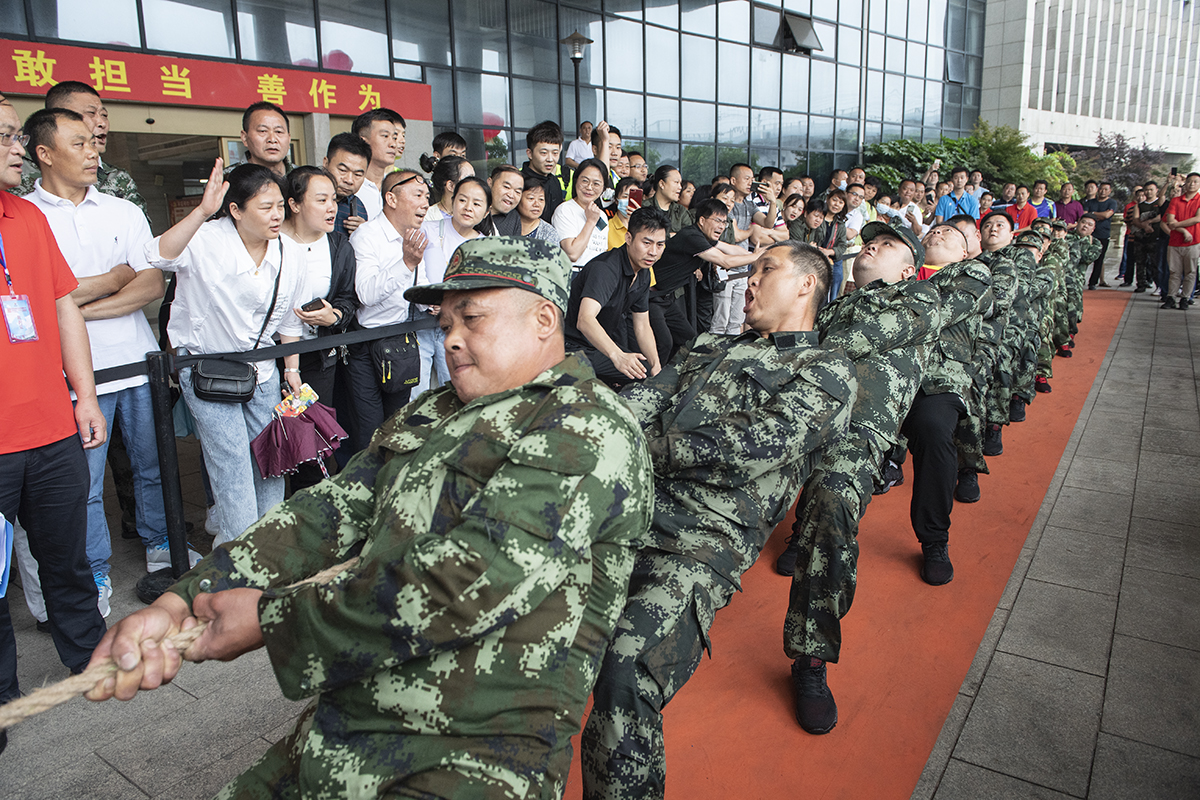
x=965, y=286
x=1031, y=246
x=735, y=425
x=1005, y=328
x=886, y=327
x=1057, y=331
x=1089, y=248
x=496, y=520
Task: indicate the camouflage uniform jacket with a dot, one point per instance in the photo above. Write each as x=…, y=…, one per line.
x=966, y=290
x=887, y=330
x=1089, y=250
x=1005, y=287
x=110, y=180
x=734, y=426
x=497, y=539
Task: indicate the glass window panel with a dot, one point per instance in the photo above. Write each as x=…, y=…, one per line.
x=798, y=6
x=624, y=8
x=846, y=135
x=625, y=111
x=849, y=46
x=951, y=114
x=659, y=153
x=897, y=51
x=893, y=98
x=12, y=19
x=795, y=83
x=764, y=87
x=975, y=70
x=533, y=31
x=875, y=51
x=591, y=5
x=764, y=128
x=591, y=102
x=763, y=157
x=848, y=89
x=931, y=135
x=733, y=20
x=794, y=163
x=877, y=15
x=793, y=132
x=353, y=38
x=732, y=125
x=937, y=23
x=956, y=26
x=766, y=26
x=198, y=27
x=897, y=17
x=933, y=103
x=280, y=31
x=821, y=95
x=975, y=31
x=914, y=101
x=918, y=11
x=534, y=101
x=663, y=12
x=820, y=133
x=872, y=133
x=441, y=90
x=480, y=95
x=407, y=72
x=699, y=68
x=591, y=66
x=78, y=20
x=698, y=16
x=699, y=163
x=699, y=122
x=486, y=153
x=874, y=108
x=892, y=132
x=624, y=54
x=727, y=156
x=733, y=79
x=827, y=33
x=850, y=12
x=820, y=165
x=662, y=117
x=916, y=59
x=662, y=61
x=480, y=40
x=419, y=31
x=935, y=62
x=954, y=93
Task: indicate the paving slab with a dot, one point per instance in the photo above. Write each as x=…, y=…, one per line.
x=1160, y=607
x=1102, y=513
x=964, y=781
x=1128, y=770
x=1170, y=547
x=1153, y=695
x=1061, y=625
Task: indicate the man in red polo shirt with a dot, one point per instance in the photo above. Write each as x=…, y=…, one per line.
x=1021, y=210
x=1183, y=248
x=43, y=473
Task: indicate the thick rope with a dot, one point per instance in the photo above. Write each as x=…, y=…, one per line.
x=56, y=694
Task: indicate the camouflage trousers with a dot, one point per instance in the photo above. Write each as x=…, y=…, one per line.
x=968, y=440
x=1062, y=320
x=1045, y=354
x=1003, y=383
x=827, y=516
x=1074, y=289
x=656, y=647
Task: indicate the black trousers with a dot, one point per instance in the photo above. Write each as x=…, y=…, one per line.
x=670, y=323
x=370, y=406
x=321, y=378
x=929, y=428
x=46, y=489
x=1098, y=265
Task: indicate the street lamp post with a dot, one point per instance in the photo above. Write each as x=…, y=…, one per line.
x=576, y=42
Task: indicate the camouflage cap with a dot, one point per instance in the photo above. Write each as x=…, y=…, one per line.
x=498, y=262
x=1058, y=223
x=905, y=234
x=1031, y=238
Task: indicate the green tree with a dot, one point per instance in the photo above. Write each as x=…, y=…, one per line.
x=1119, y=161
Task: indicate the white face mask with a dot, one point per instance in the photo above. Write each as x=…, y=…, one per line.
x=842, y=186
x=883, y=208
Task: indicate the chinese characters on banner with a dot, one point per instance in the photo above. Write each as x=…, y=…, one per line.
x=31, y=68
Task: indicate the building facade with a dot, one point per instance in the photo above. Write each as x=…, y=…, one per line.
x=1063, y=71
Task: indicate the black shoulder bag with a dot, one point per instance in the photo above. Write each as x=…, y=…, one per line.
x=219, y=380
x=397, y=358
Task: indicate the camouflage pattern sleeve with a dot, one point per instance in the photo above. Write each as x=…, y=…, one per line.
x=647, y=399
x=965, y=291
x=909, y=320
x=731, y=450
x=117, y=182
x=1004, y=285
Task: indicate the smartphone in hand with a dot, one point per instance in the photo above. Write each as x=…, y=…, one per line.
x=636, y=195
x=313, y=305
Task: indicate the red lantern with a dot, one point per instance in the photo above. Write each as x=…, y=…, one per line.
x=496, y=122
x=339, y=60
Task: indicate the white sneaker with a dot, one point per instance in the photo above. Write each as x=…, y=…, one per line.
x=159, y=557
x=104, y=590
x=212, y=524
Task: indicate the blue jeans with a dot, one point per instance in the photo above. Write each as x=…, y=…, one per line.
x=225, y=431
x=132, y=407
x=835, y=285
x=433, y=355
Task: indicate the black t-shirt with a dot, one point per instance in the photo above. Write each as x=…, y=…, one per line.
x=1103, y=226
x=1149, y=211
x=609, y=280
x=555, y=196
x=680, y=259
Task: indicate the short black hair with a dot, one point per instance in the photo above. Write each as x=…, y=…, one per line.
x=709, y=207
x=1106, y=183
x=810, y=261
x=987, y=194
x=632, y=153
x=1193, y=174
x=362, y=123
x=721, y=188
x=246, y=181
x=957, y=170
x=476, y=181
x=1150, y=183
x=740, y=165
x=814, y=205
x=1090, y=183
x=850, y=186
x=349, y=143
x=1042, y=182
x=64, y=89
x=297, y=185
x=1092, y=217
x=1021, y=186
x=263, y=105
x=1012, y=223
x=646, y=218
x=448, y=139
x=546, y=132
x=957, y=218
x=596, y=164
x=765, y=173
x=42, y=127
x=503, y=168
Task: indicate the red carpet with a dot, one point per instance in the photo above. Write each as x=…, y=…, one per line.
x=907, y=646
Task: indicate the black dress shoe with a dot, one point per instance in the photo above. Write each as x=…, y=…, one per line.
x=816, y=710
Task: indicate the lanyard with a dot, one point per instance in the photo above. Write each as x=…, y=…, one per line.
x=4, y=265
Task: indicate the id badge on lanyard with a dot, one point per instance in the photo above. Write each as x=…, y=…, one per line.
x=18, y=314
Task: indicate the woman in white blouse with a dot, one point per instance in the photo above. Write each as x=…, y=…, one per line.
x=469, y=202
x=227, y=271
x=580, y=222
x=329, y=271
x=446, y=175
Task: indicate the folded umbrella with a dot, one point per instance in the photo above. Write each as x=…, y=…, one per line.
x=288, y=442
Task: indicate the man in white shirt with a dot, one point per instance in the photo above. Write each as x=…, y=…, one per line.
x=103, y=239
x=580, y=150
x=384, y=130
x=388, y=249
x=910, y=213
x=856, y=218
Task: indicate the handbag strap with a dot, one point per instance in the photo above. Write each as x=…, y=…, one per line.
x=274, y=297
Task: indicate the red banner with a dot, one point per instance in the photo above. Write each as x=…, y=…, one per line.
x=31, y=68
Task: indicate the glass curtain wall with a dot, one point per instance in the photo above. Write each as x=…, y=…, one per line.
x=699, y=83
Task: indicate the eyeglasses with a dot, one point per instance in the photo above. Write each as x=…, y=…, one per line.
x=858, y=195
x=409, y=179
x=7, y=139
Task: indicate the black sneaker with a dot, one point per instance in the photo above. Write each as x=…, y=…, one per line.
x=1139, y=290
x=1064, y=352
x=1041, y=384
x=967, y=490
x=1016, y=410
x=1169, y=303
x=786, y=563
x=936, y=569
x=43, y=626
x=993, y=443
x=893, y=475
x=816, y=710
